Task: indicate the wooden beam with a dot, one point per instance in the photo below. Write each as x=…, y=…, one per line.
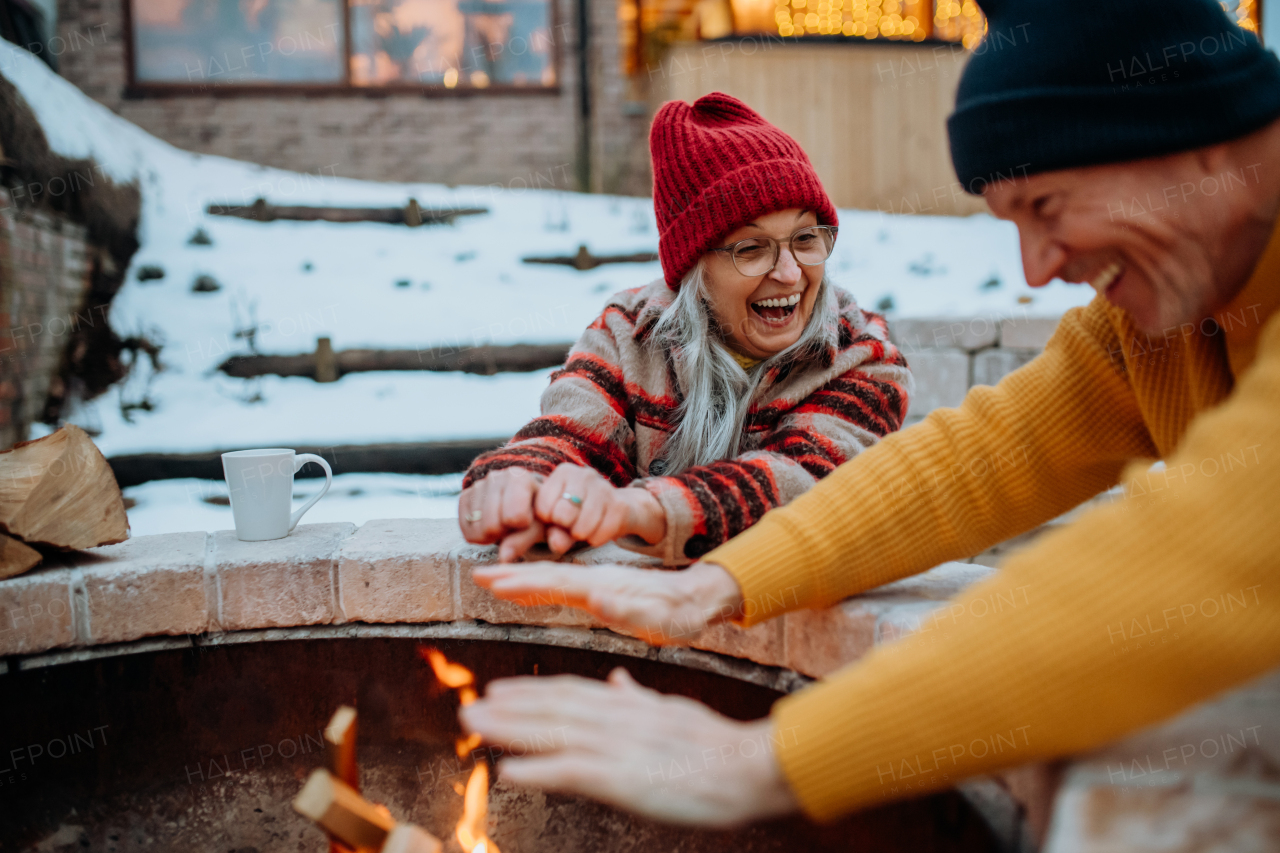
x=410, y=214
x=485, y=360
x=428, y=457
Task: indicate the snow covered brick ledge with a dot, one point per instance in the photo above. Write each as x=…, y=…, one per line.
x=396, y=571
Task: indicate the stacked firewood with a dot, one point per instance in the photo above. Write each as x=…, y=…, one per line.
x=57, y=493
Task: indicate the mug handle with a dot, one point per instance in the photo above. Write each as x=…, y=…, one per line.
x=298, y=461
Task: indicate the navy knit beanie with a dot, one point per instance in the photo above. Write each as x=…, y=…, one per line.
x=1057, y=85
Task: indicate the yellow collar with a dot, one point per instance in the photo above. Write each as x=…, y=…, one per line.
x=746, y=362
x=1243, y=318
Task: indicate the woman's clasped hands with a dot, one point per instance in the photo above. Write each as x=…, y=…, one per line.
x=517, y=508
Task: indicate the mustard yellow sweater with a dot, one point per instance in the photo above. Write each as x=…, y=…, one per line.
x=1138, y=609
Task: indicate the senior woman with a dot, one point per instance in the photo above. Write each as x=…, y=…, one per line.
x=716, y=394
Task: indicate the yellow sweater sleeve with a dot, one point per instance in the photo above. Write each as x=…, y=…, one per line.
x=1137, y=610
x=1049, y=436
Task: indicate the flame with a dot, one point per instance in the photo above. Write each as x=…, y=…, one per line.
x=475, y=811
x=475, y=798
x=450, y=674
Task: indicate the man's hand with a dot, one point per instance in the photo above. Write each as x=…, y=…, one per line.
x=665, y=757
x=592, y=510
x=658, y=606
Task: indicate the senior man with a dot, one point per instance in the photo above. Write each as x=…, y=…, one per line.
x=1137, y=148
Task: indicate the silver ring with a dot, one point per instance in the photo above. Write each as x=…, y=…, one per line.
x=571, y=498
x=474, y=516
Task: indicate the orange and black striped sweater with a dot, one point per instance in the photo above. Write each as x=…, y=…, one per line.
x=615, y=402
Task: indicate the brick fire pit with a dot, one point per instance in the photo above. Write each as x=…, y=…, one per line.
x=225, y=604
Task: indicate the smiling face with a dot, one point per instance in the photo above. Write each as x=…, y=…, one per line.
x=1159, y=238
x=762, y=315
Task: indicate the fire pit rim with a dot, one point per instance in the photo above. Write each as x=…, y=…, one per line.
x=776, y=678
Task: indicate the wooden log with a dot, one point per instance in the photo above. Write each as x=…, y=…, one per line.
x=16, y=557
x=60, y=491
x=485, y=360
x=326, y=361
x=407, y=838
x=357, y=823
x=411, y=214
x=343, y=813
x=340, y=757
x=340, y=746
x=429, y=457
x=583, y=260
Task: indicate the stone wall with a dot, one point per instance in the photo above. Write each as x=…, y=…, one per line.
x=45, y=267
x=462, y=137
x=949, y=355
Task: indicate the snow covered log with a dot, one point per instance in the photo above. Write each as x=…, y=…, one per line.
x=485, y=360
x=58, y=491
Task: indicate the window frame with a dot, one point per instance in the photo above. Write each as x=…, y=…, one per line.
x=136, y=89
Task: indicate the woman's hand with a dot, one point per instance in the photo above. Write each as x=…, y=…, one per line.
x=658, y=606
x=600, y=513
x=497, y=505
x=665, y=757
x=499, y=509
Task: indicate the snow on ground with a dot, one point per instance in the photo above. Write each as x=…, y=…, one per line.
x=363, y=408
x=172, y=506
x=283, y=284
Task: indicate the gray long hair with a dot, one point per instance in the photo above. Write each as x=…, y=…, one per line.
x=717, y=391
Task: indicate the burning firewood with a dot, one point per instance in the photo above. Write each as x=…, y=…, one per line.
x=57, y=491
x=340, y=756
x=340, y=746
x=332, y=798
x=355, y=821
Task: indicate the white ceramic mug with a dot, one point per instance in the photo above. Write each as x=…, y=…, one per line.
x=261, y=484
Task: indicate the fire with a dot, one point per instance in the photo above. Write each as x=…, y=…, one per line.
x=450, y=674
x=475, y=810
x=475, y=799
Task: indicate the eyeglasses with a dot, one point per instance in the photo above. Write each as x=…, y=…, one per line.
x=759, y=255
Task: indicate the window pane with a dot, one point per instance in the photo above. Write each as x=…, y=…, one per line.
x=451, y=43
x=237, y=41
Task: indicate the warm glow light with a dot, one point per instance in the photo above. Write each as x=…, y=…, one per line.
x=475, y=811
x=449, y=674
x=475, y=797
x=959, y=21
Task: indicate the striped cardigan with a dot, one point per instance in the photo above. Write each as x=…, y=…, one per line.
x=613, y=405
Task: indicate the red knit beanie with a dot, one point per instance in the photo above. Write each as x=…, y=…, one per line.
x=716, y=166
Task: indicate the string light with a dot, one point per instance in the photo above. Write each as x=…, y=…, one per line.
x=959, y=21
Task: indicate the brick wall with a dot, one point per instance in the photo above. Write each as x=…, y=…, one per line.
x=464, y=139
x=44, y=277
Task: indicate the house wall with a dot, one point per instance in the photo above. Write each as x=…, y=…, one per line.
x=45, y=266
x=468, y=138
x=872, y=117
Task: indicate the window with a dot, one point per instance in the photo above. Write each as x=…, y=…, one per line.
x=342, y=44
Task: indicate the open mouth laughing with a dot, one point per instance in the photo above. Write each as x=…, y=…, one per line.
x=778, y=310
x=1107, y=277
